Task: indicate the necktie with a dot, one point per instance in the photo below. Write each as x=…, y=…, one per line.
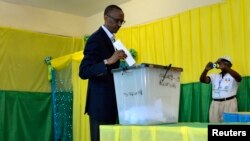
x=113, y=39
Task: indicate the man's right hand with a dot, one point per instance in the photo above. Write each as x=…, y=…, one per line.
x=118, y=54
x=209, y=66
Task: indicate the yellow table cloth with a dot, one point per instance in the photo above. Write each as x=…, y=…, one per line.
x=164, y=132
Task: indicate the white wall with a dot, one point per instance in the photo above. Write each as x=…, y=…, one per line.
x=136, y=12
x=40, y=20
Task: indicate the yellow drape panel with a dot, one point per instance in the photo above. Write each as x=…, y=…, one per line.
x=152, y=133
x=22, y=56
x=193, y=38
x=62, y=62
x=80, y=121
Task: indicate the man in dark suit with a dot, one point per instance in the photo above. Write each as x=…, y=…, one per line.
x=100, y=57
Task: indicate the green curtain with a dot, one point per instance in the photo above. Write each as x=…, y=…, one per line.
x=25, y=116
x=244, y=95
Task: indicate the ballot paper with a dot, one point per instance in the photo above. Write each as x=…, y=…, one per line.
x=119, y=46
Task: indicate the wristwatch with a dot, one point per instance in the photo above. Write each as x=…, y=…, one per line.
x=106, y=62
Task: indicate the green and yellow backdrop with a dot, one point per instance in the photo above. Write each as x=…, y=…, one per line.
x=188, y=40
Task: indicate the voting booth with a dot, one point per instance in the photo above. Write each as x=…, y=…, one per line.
x=147, y=94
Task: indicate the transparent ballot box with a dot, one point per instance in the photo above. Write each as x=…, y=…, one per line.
x=147, y=94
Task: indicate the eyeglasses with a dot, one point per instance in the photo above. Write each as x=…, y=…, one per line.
x=118, y=21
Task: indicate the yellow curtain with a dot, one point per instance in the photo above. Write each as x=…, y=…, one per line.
x=193, y=38
x=188, y=40
x=80, y=121
x=22, y=58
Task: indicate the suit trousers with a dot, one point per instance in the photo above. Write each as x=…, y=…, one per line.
x=95, y=128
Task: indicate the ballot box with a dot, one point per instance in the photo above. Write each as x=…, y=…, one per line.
x=147, y=94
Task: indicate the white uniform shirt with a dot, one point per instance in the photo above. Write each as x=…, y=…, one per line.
x=223, y=87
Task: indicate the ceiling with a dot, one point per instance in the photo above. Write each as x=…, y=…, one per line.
x=84, y=8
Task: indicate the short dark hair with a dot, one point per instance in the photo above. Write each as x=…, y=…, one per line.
x=110, y=8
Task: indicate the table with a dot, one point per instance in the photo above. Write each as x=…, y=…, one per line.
x=163, y=132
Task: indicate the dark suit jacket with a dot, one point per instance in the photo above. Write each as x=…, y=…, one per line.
x=101, y=99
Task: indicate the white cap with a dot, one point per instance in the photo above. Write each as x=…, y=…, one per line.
x=228, y=58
